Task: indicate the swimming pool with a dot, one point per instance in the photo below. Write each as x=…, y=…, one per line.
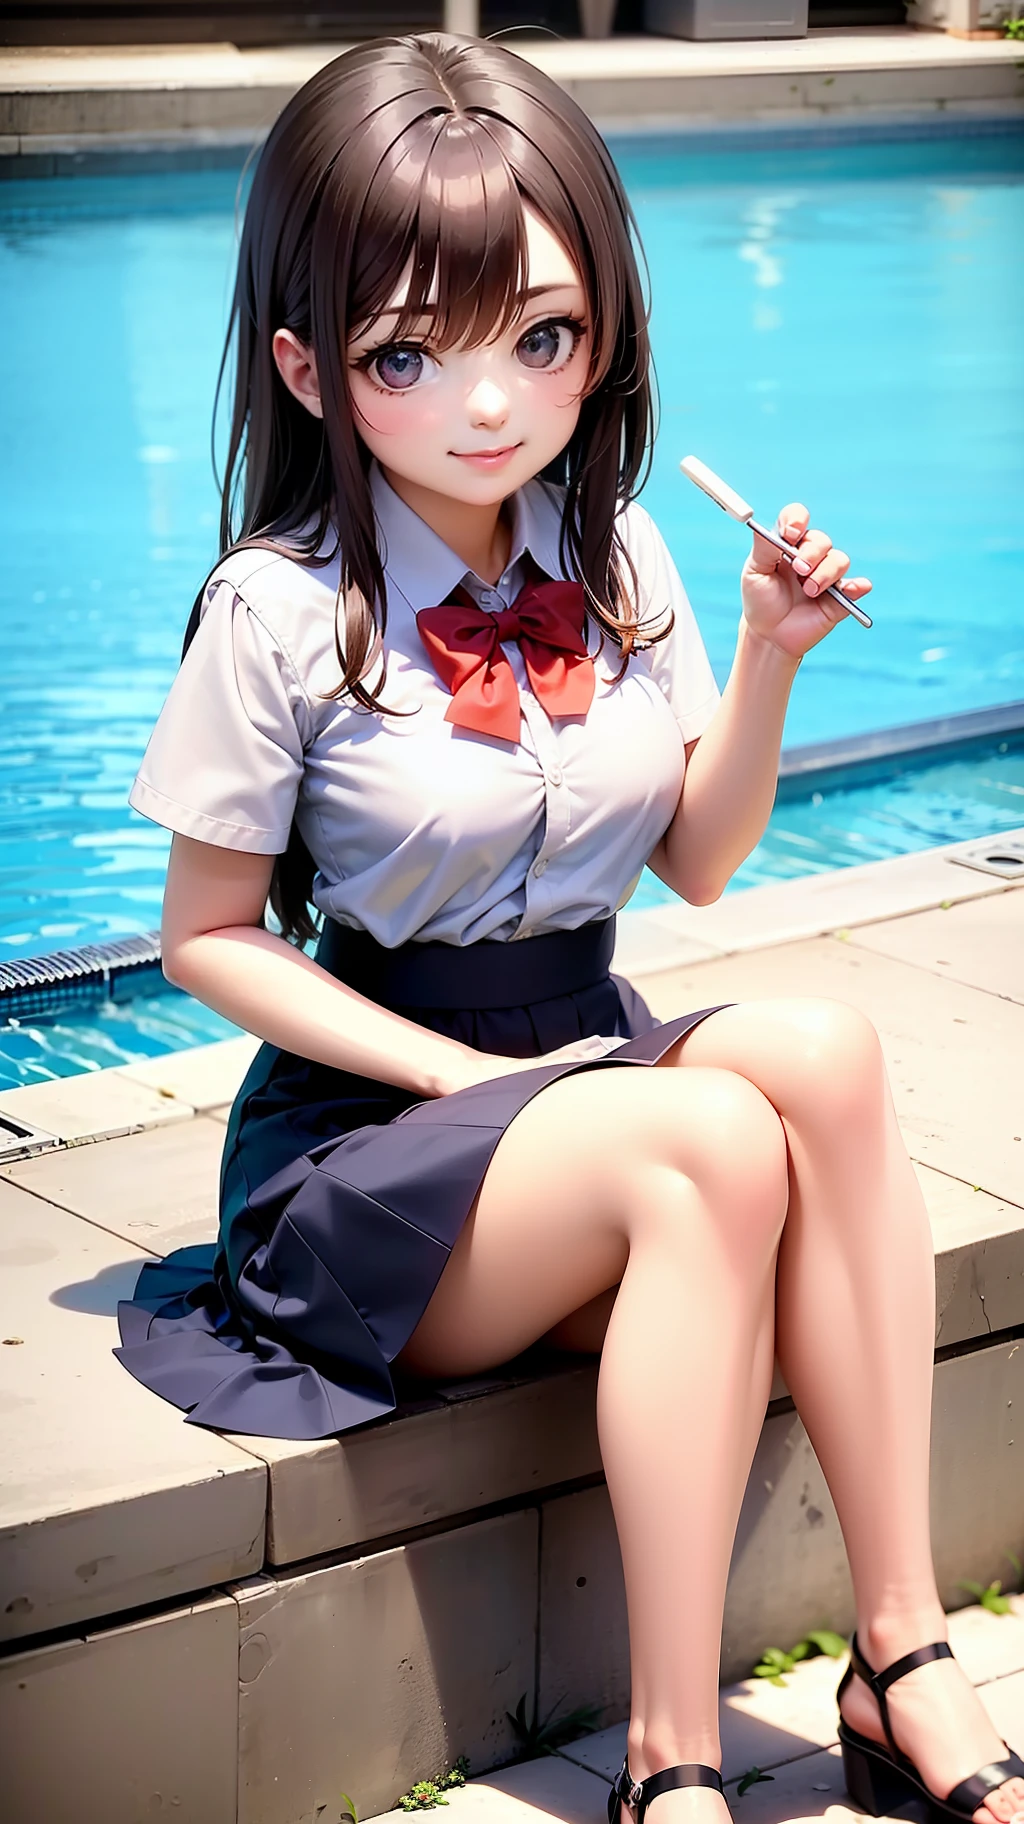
x=832, y=321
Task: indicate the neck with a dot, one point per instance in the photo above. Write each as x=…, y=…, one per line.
x=480, y=535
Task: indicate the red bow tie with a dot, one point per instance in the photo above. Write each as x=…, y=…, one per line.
x=465, y=644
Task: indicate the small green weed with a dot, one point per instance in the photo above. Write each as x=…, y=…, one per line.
x=752, y=1777
x=348, y=1809
x=991, y=1598
x=545, y=1737
x=1014, y=28
x=428, y=1793
x=774, y=1663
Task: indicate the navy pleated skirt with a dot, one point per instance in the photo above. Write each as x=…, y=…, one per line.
x=342, y=1197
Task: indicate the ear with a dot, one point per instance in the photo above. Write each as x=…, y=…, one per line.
x=296, y=365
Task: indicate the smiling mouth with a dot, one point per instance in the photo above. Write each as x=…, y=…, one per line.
x=505, y=449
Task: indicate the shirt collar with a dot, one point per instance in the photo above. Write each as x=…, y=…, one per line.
x=425, y=570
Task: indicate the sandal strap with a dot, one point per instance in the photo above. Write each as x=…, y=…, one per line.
x=880, y=1682
x=922, y=1656
x=640, y=1793
x=973, y=1792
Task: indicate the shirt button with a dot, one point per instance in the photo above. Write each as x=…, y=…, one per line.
x=554, y=774
x=539, y=867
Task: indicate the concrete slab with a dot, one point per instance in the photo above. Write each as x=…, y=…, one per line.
x=203, y=1076
x=812, y=1787
x=364, y=1677
x=94, y=1106
x=762, y=1725
x=1004, y=1701
x=551, y=1788
x=125, y=1724
x=624, y=81
x=979, y=1258
x=107, y=1500
x=766, y=1725
x=647, y=943
x=786, y=910
x=157, y=1189
x=990, y=1646
x=448, y=1459
x=953, y=1052
x=980, y=942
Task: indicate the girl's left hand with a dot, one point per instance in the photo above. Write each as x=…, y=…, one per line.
x=785, y=603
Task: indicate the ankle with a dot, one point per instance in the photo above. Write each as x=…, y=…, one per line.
x=887, y=1636
x=653, y=1747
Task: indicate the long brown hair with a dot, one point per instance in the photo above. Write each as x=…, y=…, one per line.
x=417, y=155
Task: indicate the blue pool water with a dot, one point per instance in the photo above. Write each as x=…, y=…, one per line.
x=835, y=323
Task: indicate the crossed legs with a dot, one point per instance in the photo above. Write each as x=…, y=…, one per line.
x=762, y=1179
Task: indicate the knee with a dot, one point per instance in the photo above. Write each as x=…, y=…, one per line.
x=833, y=1059
x=731, y=1143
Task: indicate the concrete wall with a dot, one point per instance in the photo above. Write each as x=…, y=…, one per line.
x=361, y=1674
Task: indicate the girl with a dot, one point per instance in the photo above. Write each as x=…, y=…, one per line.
x=446, y=683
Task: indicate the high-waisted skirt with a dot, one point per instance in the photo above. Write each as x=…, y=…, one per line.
x=341, y=1197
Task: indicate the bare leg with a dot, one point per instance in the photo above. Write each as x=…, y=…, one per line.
x=856, y=1325
x=675, y=1183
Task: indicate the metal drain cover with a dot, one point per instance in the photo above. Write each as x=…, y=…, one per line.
x=999, y=855
x=18, y=1140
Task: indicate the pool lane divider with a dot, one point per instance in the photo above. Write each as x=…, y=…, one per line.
x=41, y=986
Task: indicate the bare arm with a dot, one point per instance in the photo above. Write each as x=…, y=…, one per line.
x=215, y=947
x=729, y=784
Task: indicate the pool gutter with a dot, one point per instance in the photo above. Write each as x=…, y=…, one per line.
x=67, y=103
x=857, y=759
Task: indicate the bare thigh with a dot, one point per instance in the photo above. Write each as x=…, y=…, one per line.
x=579, y=1171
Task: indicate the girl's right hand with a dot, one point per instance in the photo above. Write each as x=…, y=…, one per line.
x=483, y=1066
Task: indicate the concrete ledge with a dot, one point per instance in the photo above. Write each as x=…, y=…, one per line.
x=625, y=82
x=672, y=936
x=127, y=1724
x=108, y=1501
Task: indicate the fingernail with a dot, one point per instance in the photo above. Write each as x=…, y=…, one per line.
x=810, y=588
x=792, y=531
x=801, y=568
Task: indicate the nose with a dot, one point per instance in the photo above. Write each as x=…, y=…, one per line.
x=487, y=404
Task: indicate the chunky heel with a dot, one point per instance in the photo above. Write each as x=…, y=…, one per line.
x=878, y=1788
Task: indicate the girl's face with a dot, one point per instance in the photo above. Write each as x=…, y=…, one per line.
x=474, y=424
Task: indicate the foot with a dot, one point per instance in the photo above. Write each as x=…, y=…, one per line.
x=939, y=1722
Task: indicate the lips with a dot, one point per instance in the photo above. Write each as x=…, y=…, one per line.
x=488, y=458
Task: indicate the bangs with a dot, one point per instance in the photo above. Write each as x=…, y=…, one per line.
x=443, y=219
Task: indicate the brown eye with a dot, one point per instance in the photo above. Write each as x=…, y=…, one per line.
x=548, y=344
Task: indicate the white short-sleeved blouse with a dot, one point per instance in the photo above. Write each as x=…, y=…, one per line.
x=420, y=829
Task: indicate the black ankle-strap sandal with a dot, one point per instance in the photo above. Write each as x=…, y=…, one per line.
x=638, y=1794
x=880, y=1780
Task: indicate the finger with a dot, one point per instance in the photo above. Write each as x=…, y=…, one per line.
x=813, y=549
x=831, y=570
x=793, y=522
x=856, y=586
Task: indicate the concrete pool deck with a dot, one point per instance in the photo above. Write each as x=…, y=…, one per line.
x=348, y=1616
x=69, y=101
